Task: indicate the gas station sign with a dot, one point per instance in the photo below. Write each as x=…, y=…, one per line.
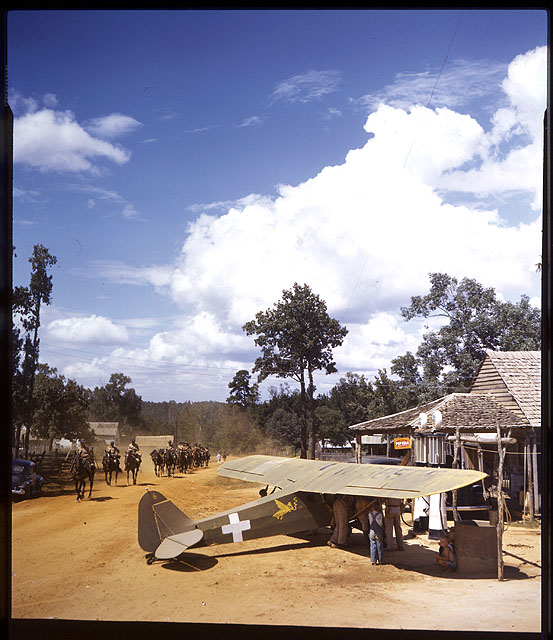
x=402, y=443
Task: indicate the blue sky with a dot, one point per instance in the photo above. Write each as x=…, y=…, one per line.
x=186, y=167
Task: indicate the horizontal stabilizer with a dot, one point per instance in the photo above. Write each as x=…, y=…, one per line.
x=173, y=546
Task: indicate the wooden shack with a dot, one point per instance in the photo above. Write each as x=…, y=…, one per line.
x=506, y=393
x=105, y=432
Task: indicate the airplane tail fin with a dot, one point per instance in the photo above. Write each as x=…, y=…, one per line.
x=159, y=518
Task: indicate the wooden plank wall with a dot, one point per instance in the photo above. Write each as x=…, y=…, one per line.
x=488, y=380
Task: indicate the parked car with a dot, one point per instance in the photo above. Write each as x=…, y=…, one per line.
x=25, y=482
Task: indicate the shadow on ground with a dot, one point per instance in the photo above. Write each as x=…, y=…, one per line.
x=190, y=562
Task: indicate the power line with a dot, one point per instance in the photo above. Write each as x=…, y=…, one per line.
x=101, y=355
x=412, y=143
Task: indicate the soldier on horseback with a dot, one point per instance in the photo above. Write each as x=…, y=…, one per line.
x=83, y=467
x=84, y=453
x=132, y=460
x=114, y=452
x=133, y=449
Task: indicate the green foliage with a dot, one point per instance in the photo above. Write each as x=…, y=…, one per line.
x=115, y=403
x=296, y=337
x=241, y=393
x=332, y=426
x=476, y=320
x=352, y=396
x=61, y=407
x=26, y=306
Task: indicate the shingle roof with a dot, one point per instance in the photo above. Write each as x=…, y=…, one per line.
x=521, y=373
x=470, y=412
x=396, y=421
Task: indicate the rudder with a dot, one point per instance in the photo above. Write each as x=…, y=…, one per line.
x=148, y=532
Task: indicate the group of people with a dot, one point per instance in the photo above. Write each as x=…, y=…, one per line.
x=378, y=527
x=85, y=453
x=380, y=521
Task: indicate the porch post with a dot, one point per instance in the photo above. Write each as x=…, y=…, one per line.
x=499, y=488
x=530, y=476
x=535, y=473
x=358, y=450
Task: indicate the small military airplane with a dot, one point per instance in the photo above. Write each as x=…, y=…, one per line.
x=300, y=500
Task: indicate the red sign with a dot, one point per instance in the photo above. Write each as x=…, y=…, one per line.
x=402, y=443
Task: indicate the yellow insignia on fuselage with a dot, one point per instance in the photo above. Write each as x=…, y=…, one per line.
x=283, y=509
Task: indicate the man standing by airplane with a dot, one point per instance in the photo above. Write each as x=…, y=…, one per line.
x=392, y=522
x=341, y=512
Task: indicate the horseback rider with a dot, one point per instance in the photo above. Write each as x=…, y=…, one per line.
x=114, y=452
x=83, y=450
x=84, y=453
x=133, y=449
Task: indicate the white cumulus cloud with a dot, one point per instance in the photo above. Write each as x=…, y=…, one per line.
x=54, y=141
x=364, y=234
x=92, y=329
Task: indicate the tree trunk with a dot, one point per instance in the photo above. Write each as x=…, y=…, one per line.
x=312, y=426
x=303, y=432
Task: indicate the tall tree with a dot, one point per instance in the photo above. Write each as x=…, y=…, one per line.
x=476, y=321
x=116, y=402
x=61, y=407
x=241, y=392
x=296, y=337
x=27, y=303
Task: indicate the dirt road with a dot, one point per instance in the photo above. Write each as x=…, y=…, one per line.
x=82, y=561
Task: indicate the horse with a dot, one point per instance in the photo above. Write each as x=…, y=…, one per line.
x=157, y=459
x=83, y=469
x=110, y=465
x=132, y=465
x=170, y=461
x=184, y=459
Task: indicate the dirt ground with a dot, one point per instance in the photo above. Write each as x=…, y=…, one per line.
x=81, y=561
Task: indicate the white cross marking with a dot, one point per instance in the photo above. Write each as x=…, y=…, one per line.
x=236, y=527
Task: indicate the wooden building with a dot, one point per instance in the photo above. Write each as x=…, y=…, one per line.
x=506, y=393
x=105, y=432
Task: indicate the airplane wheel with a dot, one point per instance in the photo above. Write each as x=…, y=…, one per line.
x=150, y=560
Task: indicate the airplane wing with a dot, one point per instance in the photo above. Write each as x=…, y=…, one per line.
x=317, y=476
